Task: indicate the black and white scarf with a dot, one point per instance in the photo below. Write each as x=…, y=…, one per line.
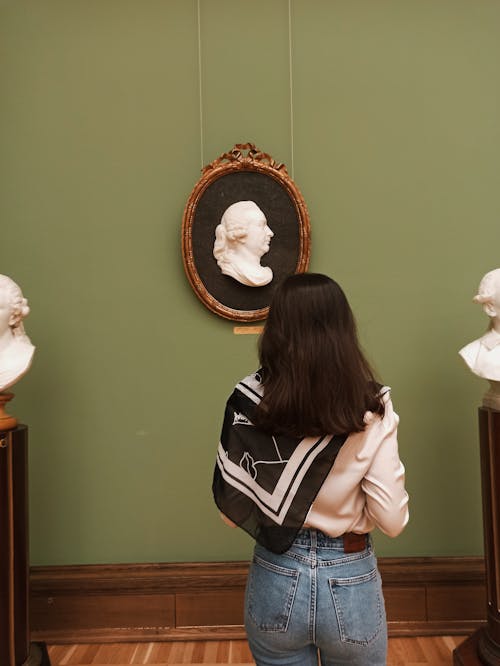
x=267, y=483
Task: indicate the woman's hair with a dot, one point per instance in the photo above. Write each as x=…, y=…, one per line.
x=315, y=377
x=18, y=304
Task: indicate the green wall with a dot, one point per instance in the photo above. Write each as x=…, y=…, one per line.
x=396, y=149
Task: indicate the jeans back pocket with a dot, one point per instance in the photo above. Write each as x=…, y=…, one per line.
x=359, y=607
x=270, y=595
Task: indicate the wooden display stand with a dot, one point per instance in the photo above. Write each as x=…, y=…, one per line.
x=483, y=647
x=15, y=647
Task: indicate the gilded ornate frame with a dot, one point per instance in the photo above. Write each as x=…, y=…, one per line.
x=245, y=159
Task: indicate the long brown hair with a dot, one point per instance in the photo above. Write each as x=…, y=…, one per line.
x=316, y=379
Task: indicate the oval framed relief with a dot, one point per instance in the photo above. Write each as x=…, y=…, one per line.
x=245, y=227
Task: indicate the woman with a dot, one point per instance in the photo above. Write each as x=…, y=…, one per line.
x=310, y=499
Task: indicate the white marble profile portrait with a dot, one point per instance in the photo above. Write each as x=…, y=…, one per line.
x=482, y=356
x=241, y=239
x=16, y=350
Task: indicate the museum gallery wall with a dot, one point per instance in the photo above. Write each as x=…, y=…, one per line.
x=386, y=117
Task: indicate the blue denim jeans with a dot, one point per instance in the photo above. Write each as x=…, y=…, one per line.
x=315, y=599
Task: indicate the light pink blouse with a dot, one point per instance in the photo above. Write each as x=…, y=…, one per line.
x=365, y=487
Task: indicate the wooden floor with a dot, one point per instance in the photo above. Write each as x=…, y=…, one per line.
x=433, y=650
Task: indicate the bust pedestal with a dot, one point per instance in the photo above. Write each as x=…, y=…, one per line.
x=15, y=647
x=483, y=647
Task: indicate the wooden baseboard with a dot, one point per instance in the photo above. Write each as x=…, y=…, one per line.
x=190, y=601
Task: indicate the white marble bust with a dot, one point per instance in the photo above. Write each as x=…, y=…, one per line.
x=241, y=239
x=16, y=350
x=482, y=356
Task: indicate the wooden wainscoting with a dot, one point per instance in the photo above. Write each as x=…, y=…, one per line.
x=191, y=601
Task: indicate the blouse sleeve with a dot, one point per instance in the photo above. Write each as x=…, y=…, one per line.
x=383, y=483
x=226, y=520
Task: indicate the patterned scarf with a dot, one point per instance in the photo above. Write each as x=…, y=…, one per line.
x=267, y=483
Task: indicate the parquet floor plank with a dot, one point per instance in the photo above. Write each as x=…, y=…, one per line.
x=112, y=653
x=68, y=655
x=56, y=652
x=222, y=656
x=143, y=652
x=160, y=652
x=179, y=650
x=453, y=642
x=82, y=654
x=210, y=651
x=88, y=653
x=435, y=651
x=240, y=652
x=402, y=651
x=199, y=651
x=187, y=653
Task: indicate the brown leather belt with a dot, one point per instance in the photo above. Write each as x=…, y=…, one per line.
x=354, y=543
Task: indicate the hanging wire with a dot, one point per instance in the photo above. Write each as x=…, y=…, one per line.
x=202, y=160
x=290, y=71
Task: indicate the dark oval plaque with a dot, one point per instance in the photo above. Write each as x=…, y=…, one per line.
x=243, y=174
